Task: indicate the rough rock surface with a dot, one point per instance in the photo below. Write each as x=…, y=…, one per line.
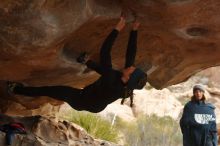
x=40, y=39
x=50, y=132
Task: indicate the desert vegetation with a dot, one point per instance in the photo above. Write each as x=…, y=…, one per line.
x=146, y=130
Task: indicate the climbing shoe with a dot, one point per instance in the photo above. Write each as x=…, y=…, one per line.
x=12, y=85
x=83, y=58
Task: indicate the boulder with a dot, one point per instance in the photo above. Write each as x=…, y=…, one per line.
x=48, y=131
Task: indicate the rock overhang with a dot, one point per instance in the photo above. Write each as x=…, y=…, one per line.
x=40, y=40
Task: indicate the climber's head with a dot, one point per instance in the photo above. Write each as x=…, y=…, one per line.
x=135, y=78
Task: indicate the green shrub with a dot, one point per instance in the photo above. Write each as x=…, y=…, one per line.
x=146, y=131
x=94, y=125
x=151, y=131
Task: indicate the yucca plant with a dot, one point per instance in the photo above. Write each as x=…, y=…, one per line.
x=94, y=125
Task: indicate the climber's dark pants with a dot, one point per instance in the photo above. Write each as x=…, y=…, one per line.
x=64, y=93
x=69, y=94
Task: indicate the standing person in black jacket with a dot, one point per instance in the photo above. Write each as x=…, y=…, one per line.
x=198, y=122
x=112, y=85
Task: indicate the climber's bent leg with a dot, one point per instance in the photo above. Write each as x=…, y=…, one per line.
x=64, y=93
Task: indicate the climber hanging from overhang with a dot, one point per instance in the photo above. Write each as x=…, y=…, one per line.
x=112, y=85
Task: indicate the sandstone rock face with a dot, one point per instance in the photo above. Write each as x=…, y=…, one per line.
x=40, y=39
x=50, y=132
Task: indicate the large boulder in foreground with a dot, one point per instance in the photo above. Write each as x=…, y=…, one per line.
x=42, y=131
